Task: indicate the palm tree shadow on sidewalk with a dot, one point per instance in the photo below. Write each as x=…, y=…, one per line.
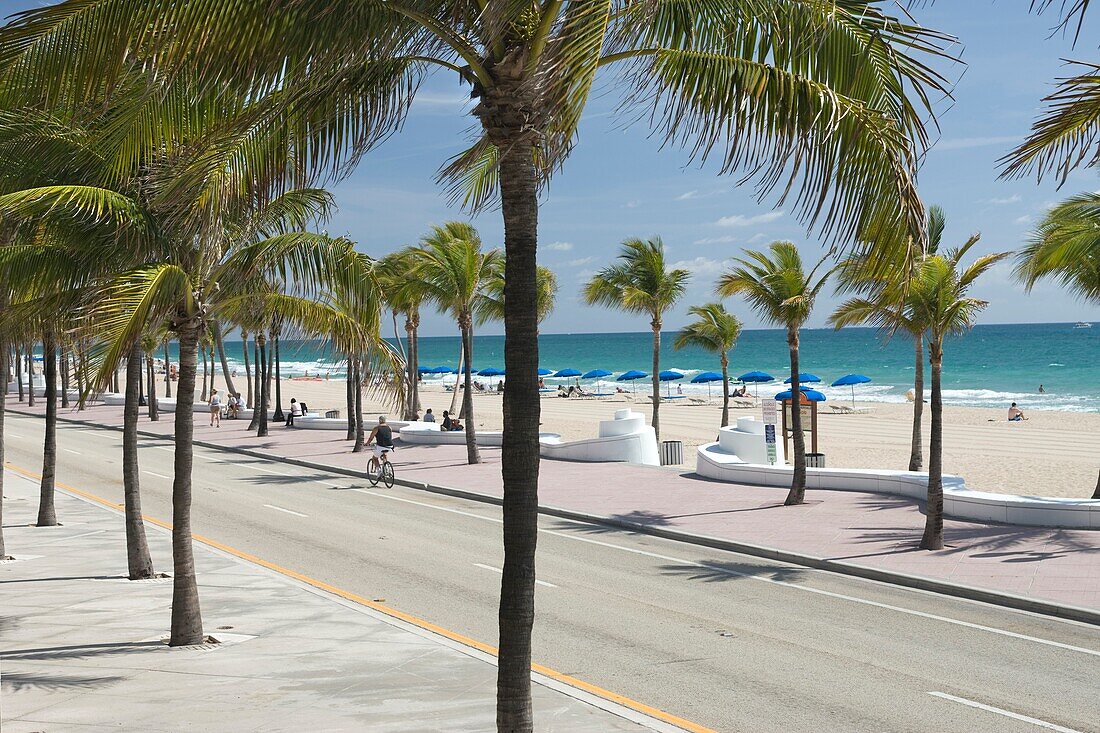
x=723, y=571
x=18, y=682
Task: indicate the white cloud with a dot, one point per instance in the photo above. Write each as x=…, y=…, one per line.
x=724, y=239
x=740, y=220
x=632, y=204
x=756, y=238
x=441, y=100
x=1025, y=219
x=699, y=266
x=560, y=246
x=965, y=143
x=688, y=195
x=581, y=261
x=1013, y=199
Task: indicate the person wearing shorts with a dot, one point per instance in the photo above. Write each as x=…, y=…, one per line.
x=215, y=409
x=382, y=438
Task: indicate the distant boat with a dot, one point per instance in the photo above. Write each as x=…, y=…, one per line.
x=1082, y=324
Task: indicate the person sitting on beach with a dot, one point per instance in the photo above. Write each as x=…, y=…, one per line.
x=295, y=411
x=215, y=409
x=233, y=406
x=500, y=387
x=1015, y=414
x=457, y=426
x=572, y=391
x=542, y=383
x=561, y=391
x=428, y=416
x=620, y=390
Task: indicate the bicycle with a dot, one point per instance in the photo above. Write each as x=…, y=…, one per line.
x=380, y=469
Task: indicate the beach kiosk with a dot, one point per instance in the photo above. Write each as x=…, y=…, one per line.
x=808, y=399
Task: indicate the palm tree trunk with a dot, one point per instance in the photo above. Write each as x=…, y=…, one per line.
x=1095, y=493
x=349, y=380
x=78, y=372
x=472, y=454
x=522, y=412
x=4, y=354
x=186, y=614
x=151, y=378
x=458, y=378
x=797, y=494
x=47, y=515
x=933, y=523
x=220, y=345
x=142, y=402
x=62, y=362
x=247, y=368
x=138, y=561
x=725, y=390
x=19, y=374
x=278, y=416
x=167, y=372
x=414, y=355
x=656, y=379
x=257, y=367
x=202, y=353
x=360, y=429
x=261, y=426
x=30, y=375
x=916, y=458
x=269, y=369
x=411, y=373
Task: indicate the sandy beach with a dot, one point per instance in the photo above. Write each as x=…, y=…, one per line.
x=1051, y=454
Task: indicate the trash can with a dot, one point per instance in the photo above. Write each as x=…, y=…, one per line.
x=332, y=413
x=672, y=452
x=815, y=460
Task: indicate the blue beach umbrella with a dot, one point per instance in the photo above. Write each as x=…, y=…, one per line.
x=544, y=372
x=851, y=380
x=631, y=376
x=811, y=394
x=598, y=375
x=804, y=378
x=669, y=376
x=756, y=378
x=491, y=372
x=567, y=373
x=444, y=370
x=706, y=378
x=425, y=370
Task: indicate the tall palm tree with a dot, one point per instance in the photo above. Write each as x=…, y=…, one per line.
x=139, y=562
x=780, y=290
x=716, y=330
x=640, y=282
x=938, y=296
x=490, y=306
x=149, y=343
x=718, y=78
x=876, y=278
x=405, y=295
x=453, y=269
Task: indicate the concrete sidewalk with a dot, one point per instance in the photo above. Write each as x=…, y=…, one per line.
x=870, y=530
x=81, y=647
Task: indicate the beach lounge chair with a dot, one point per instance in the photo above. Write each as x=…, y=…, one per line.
x=698, y=400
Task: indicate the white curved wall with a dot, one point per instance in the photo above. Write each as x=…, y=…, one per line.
x=428, y=433
x=715, y=462
x=625, y=439
x=746, y=441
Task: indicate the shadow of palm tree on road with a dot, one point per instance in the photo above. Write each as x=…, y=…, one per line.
x=719, y=571
x=640, y=518
x=19, y=682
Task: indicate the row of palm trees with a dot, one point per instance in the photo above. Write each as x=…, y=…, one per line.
x=922, y=292
x=322, y=83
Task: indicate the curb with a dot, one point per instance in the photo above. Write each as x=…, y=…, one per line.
x=905, y=580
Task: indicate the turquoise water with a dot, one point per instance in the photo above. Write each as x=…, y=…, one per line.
x=989, y=366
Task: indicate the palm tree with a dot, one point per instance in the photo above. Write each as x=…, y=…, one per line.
x=1066, y=247
x=641, y=283
x=716, y=330
x=877, y=278
x=452, y=269
x=781, y=292
x=405, y=294
x=718, y=78
x=4, y=355
x=490, y=306
x=149, y=343
x=138, y=560
x=938, y=297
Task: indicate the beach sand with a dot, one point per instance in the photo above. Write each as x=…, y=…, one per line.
x=1050, y=454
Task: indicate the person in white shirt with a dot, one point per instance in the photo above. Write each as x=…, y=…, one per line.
x=295, y=411
x=215, y=409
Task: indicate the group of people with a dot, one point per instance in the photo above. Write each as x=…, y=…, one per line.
x=575, y=390
x=232, y=407
x=449, y=424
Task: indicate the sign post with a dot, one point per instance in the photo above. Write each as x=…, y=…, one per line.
x=768, y=406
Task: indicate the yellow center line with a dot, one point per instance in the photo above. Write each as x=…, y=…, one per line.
x=394, y=613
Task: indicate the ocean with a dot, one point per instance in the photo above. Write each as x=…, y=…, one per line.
x=989, y=366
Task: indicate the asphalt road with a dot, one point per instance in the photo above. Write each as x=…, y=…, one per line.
x=728, y=641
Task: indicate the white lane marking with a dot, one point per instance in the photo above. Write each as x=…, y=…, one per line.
x=1006, y=713
x=288, y=511
x=265, y=470
x=165, y=447
x=70, y=450
x=717, y=568
x=158, y=475
x=501, y=572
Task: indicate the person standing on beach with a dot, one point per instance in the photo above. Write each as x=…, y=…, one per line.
x=215, y=409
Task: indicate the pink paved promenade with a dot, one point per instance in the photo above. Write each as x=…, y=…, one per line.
x=873, y=530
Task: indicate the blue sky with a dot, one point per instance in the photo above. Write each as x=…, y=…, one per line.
x=618, y=183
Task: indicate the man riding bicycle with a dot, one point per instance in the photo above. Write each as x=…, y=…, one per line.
x=382, y=436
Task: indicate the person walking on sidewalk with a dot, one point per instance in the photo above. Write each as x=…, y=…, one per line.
x=215, y=409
